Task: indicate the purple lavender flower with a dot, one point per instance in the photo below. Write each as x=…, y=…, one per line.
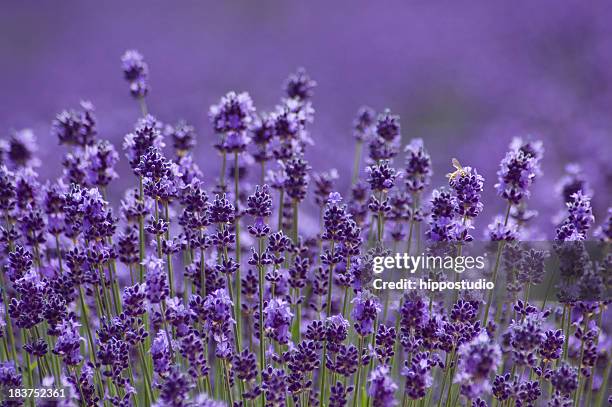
x=418, y=166
x=418, y=376
x=579, y=220
x=365, y=310
x=259, y=205
x=297, y=178
x=604, y=231
x=364, y=124
x=381, y=387
x=299, y=86
x=233, y=113
x=77, y=128
x=218, y=319
x=552, y=345
x=500, y=232
x=274, y=384
x=324, y=185
x=21, y=149
x=468, y=185
x=517, y=172
x=381, y=176
x=385, y=144
x=477, y=360
x=68, y=344
x=183, y=137
x=160, y=353
x=7, y=189
x=277, y=320
x=339, y=395
x=443, y=225
x=573, y=181
x=174, y=390
x=9, y=375
x=156, y=287
x=136, y=72
x=147, y=134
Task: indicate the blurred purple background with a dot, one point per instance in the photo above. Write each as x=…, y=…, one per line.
x=465, y=76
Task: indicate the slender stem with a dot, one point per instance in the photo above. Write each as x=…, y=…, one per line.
x=169, y=256
x=143, y=106
x=238, y=306
x=281, y=200
x=141, y=233
x=358, y=377
x=357, y=161
x=500, y=247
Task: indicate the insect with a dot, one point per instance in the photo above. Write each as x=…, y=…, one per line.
x=458, y=169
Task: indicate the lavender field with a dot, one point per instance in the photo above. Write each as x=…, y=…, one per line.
x=197, y=221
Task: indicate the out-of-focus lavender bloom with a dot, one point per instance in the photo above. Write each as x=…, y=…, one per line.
x=526, y=335
x=385, y=144
x=604, y=231
x=98, y=219
x=20, y=149
x=365, y=310
x=262, y=131
x=136, y=72
x=7, y=189
x=478, y=359
x=174, y=390
x=76, y=128
x=418, y=376
x=156, y=280
x=364, y=124
x=68, y=344
x=217, y=310
x=579, y=220
x=418, y=166
x=324, y=185
x=134, y=299
x=572, y=181
x=183, y=137
x=381, y=387
x=297, y=180
x=277, y=320
x=9, y=375
x=517, y=171
x=233, y=113
x=299, y=85
x=147, y=134
x=160, y=353
x=500, y=232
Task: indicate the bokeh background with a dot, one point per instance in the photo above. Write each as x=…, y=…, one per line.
x=464, y=76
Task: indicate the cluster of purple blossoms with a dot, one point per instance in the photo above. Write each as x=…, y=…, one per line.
x=478, y=359
x=381, y=387
x=384, y=145
x=136, y=73
x=579, y=220
x=365, y=311
x=518, y=170
x=418, y=169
